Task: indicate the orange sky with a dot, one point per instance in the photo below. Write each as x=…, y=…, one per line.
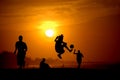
x=91, y=25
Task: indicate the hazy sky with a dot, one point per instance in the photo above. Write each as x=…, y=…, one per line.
x=93, y=26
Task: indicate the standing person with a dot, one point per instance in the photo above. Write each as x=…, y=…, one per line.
x=79, y=57
x=20, y=48
x=60, y=44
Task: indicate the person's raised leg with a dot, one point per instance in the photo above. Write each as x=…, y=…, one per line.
x=59, y=55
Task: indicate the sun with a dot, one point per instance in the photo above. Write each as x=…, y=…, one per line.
x=49, y=28
x=49, y=33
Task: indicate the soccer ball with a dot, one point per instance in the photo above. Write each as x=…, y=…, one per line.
x=71, y=46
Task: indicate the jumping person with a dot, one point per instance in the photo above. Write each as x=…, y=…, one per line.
x=60, y=44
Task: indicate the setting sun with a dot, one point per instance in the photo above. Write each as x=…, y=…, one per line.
x=48, y=28
x=49, y=33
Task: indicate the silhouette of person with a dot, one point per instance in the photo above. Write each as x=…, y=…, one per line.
x=20, y=48
x=44, y=65
x=79, y=57
x=60, y=44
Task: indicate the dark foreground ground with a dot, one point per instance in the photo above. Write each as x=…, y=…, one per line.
x=60, y=74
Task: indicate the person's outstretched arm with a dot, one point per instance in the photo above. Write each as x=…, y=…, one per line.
x=74, y=51
x=56, y=39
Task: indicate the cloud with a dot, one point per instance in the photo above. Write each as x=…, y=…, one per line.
x=58, y=2
x=34, y=2
x=21, y=11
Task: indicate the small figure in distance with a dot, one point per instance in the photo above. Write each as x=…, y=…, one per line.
x=79, y=57
x=44, y=65
x=60, y=44
x=21, y=49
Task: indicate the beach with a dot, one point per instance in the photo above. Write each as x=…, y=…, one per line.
x=60, y=74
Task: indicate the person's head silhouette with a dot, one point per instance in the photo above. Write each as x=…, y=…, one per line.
x=78, y=51
x=43, y=60
x=61, y=37
x=20, y=38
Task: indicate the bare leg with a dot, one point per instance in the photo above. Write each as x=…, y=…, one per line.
x=70, y=50
x=65, y=45
x=59, y=55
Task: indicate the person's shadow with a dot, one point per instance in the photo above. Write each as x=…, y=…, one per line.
x=43, y=65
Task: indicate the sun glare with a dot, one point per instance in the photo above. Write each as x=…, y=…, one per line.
x=48, y=28
x=49, y=24
x=49, y=33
